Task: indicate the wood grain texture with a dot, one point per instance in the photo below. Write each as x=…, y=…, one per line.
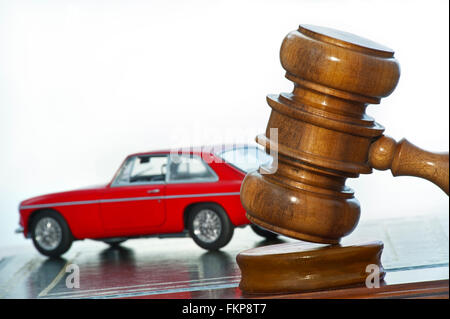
x=437, y=289
x=406, y=159
x=323, y=136
x=294, y=267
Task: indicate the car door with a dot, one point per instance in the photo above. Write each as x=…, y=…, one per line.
x=189, y=180
x=134, y=202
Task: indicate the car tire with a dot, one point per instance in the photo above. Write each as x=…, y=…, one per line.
x=51, y=242
x=209, y=226
x=263, y=232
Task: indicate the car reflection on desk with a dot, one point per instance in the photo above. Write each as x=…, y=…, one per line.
x=160, y=193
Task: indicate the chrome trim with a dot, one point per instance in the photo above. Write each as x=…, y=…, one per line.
x=138, y=184
x=194, y=181
x=19, y=230
x=85, y=202
x=200, y=195
x=127, y=199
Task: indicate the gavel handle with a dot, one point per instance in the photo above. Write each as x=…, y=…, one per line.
x=406, y=159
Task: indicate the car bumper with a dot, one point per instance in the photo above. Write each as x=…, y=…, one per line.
x=19, y=230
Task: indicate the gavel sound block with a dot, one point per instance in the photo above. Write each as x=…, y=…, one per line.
x=323, y=138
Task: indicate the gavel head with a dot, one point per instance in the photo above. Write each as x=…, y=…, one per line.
x=322, y=134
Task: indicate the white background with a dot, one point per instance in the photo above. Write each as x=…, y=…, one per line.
x=84, y=83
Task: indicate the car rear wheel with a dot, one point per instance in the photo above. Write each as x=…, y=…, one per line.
x=263, y=232
x=51, y=234
x=210, y=227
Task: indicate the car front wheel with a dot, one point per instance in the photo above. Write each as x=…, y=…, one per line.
x=210, y=227
x=51, y=234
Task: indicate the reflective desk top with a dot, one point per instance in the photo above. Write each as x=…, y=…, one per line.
x=416, y=250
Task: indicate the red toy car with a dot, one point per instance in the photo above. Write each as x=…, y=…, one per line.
x=157, y=193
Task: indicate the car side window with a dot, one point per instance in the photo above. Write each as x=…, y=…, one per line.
x=143, y=169
x=189, y=168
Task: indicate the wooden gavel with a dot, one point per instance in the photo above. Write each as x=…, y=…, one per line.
x=325, y=137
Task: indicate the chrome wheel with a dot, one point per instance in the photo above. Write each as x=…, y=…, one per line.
x=207, y=225
x=48, y=233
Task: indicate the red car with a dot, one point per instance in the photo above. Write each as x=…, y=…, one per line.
x=158, y=193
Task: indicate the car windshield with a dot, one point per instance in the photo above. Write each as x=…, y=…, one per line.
x=246, y=159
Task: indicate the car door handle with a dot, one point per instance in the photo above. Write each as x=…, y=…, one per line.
x=153, y=191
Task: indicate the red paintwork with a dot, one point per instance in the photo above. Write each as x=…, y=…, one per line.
x=145, y=217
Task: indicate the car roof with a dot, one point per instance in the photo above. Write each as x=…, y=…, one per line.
x=210, y=149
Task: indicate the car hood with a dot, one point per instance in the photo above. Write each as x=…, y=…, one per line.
x=83, y=194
